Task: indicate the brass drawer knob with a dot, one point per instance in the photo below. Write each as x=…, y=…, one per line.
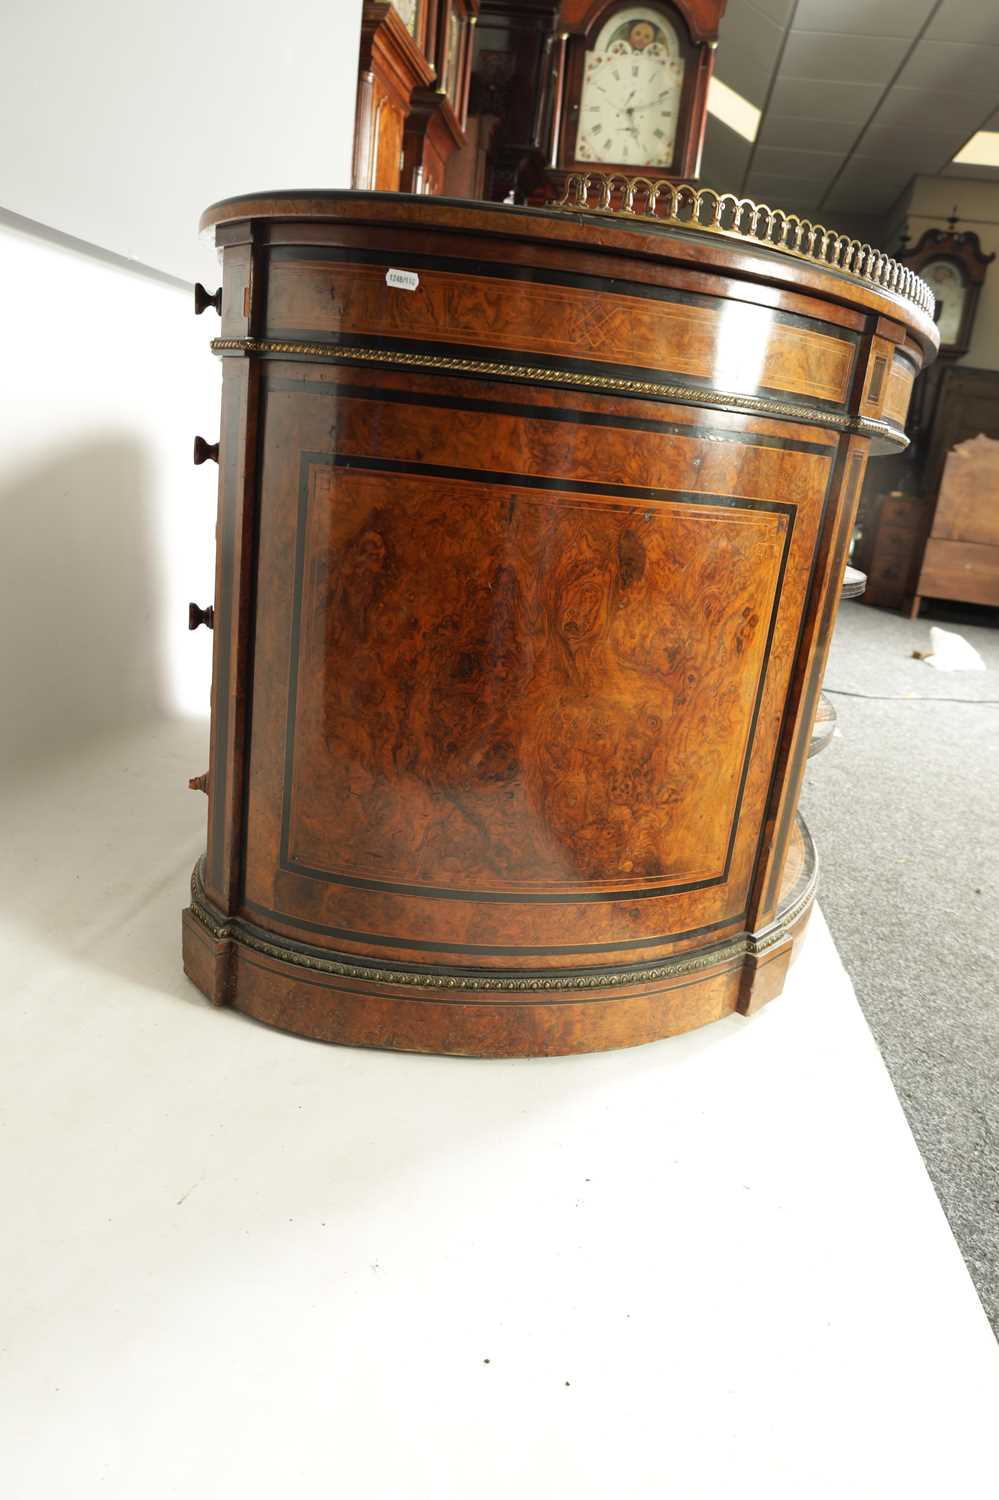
x=203, y=299
x=197, y=616
x=199, y=783
x=203, y=451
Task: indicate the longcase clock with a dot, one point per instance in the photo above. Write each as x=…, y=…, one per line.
x=631, y=85
x=513, y=91
x=393, y=62
x=953, y=265
x=435, y=128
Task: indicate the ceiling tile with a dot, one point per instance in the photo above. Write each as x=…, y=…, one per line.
x=867, y=227
x=776, y=10
x=829, y=101
x=784, y=192
x=747, y=31
x=862, y=17
x=741, y=73
x=724, y=159
x=863, y=101
x=986, y=174
x=919, y=153
x=807, y=135
x=747, y=51
x=952, y=67
x=864, y=194
x=881, y=174
x=845, y=59
x=818, y=167
x=925, y=109
x=892, y=140
x=965, y=21
x=916, y=164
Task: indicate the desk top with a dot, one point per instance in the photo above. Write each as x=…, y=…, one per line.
x=715, y=232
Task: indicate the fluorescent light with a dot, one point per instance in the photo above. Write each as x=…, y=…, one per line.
x=733, y=110
x=981, y=151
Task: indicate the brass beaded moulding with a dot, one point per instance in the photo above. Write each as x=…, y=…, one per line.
x=469, y=982
x=683, y=394
x=659, y=201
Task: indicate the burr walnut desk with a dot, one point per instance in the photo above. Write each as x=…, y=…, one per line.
x=531, y=533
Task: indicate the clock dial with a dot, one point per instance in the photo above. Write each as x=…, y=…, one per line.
x=630, y=99
x=950, y=290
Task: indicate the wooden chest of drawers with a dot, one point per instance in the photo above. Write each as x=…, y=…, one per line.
x=894, y=529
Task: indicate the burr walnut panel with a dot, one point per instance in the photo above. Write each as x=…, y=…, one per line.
x=528, y=565
x=560, y=713
x=460, y=638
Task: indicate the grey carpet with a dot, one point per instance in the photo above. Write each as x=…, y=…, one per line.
x=904, y=809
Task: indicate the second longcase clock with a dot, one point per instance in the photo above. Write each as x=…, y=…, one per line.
x=953, y=266
x=631, y=87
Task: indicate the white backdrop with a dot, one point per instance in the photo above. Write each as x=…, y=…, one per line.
x=122, y=123
x=123, y=119
x=108, y=529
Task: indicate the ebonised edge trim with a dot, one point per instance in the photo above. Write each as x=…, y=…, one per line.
x=574, y=416
x=476, y=950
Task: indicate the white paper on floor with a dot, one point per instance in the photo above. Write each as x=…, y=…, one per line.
x=950, y=652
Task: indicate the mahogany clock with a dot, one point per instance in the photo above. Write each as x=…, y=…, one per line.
x=631, y=86
x=435, y=127
x=392, y=64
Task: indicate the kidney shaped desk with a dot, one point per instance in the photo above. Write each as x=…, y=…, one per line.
x=531, y=531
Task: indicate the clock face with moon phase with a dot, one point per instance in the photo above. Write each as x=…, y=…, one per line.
x=948, y=287
x=630, y=99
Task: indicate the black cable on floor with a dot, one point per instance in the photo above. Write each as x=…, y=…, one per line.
x=905, y=697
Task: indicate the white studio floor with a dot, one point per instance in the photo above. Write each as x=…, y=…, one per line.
x=237, y=1264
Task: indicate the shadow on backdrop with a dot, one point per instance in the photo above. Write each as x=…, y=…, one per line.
x=80, y=600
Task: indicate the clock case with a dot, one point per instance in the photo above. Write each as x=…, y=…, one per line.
x=696, y=25
x=392, y=64
x=516, y=82
x=963, y=249
x=438, y=116
x=965, y=252
x=422, y=29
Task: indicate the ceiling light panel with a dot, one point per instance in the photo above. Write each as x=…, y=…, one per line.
x=981, y=151
x=733, y=110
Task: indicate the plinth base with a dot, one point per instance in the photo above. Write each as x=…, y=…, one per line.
x=475, y=1013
